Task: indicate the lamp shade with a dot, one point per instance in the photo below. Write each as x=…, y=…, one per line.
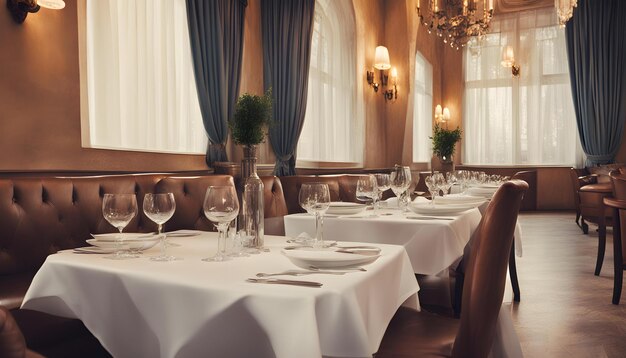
x=381, y=58
x=446, y=114
x=508, y=57
x=51, y=4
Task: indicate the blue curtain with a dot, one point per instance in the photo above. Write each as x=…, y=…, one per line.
x=596, y=52
x=286, y=28
x=216, y=35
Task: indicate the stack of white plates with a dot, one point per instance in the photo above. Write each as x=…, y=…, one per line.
x=430, y=209
x=482, y=191
x=131, y=241
x=344, y=208
x=456, y=199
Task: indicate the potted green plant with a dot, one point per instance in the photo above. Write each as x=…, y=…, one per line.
x=248, y=127
x=444, y=141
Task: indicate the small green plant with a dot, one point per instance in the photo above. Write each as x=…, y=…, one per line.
x=252, y=116
x=444, y=141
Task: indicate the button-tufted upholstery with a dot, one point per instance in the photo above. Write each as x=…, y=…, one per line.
x=39, y=216
x=341, y=187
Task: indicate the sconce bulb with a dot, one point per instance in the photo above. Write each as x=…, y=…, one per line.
x=52, y=4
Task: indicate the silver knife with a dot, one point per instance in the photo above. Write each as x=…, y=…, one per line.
x=280, y=281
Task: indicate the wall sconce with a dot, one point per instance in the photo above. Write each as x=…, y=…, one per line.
x=442, y=115
x=382, y=63
x=19, y=9
x=508, y=60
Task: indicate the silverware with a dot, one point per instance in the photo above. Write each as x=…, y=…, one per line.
x=347, y=269
x=300, y=273
x=279, y=281
x=430, y=218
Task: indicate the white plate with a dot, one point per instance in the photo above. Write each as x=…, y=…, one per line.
x=125, y=236
x=454, y=199
x=344, y=204
x=126, y=244
x=483, y=192
x=183, y=233
x=327, y=258
x=344, y=208
x=429, y=209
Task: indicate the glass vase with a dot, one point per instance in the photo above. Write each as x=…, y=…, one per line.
x=253, y=206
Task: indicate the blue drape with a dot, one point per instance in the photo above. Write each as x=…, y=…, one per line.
x=216, y=36
x=596, y=53
x=286, y=28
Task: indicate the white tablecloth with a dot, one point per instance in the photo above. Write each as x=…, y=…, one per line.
x=190, y=308
x=432, y=245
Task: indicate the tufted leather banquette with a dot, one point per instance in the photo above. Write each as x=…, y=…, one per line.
x=39, y=216
x=341, y=187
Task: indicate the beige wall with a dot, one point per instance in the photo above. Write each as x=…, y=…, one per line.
x=40, y=101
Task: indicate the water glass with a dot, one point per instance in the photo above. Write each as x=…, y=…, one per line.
x=160, y=208
x=367, y=190
x=400, y=180
x=315, y=198
x=119, y=210
x=221, y=206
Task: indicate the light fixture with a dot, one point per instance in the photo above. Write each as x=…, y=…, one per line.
x=565, y=10
x=508, y=60
x=456, y=21
x=382, y=63
x=442, y=114
x=20, y=8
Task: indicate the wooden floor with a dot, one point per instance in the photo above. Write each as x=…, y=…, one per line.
x=566, y=311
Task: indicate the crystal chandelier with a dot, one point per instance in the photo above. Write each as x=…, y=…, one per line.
x=456, y=21
x=565, y=10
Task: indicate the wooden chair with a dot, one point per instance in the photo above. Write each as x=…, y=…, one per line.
x=422, y=334
x=618, y=206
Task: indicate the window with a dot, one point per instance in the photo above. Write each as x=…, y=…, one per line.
x=332, y=130
x=140, y=82
x=422, y=110
x=520, y=120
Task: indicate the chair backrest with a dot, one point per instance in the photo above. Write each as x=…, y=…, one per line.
x=618, y=180
x=485, y=278
x=12, y=343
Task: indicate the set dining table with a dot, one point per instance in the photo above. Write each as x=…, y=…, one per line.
x=192, y=308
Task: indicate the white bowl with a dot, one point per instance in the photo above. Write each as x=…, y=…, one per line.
x=327, y=258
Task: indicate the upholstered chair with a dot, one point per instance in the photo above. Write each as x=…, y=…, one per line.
x=618, y=206
x=12, y=343
x=422, y=334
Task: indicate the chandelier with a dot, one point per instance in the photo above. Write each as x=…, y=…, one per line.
x=457, y=21
x=565, y=10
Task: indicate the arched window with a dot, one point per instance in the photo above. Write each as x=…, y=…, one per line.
x=331, y=127
x=422, y=110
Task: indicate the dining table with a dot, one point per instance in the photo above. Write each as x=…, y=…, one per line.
x=433, y=242
x=192, y=308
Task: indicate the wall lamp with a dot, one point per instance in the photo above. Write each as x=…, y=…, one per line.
x=442, y=115
x=19, y=9
x=508, y=60
x=382, y=63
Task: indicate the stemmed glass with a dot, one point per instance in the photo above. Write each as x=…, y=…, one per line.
x=119, y=210
x=400, y=179
x=382, y=184
x=366, y=189
x=221, y=206
x=160, y=208
x=315, y=198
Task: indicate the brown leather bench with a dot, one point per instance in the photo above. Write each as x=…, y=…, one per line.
x=40, y=216
x=342, y=187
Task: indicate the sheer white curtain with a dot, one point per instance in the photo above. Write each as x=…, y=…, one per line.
x=332, y=132
x=520, y=120
x=141, y=89
x=423, y=110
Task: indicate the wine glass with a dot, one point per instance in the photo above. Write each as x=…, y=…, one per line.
x=366, y=189
x=221, y=206
x=400, y=180
x=432, y=184
x=315, y=198
x=160, y=208
x=119, y=210
x=382, y=183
